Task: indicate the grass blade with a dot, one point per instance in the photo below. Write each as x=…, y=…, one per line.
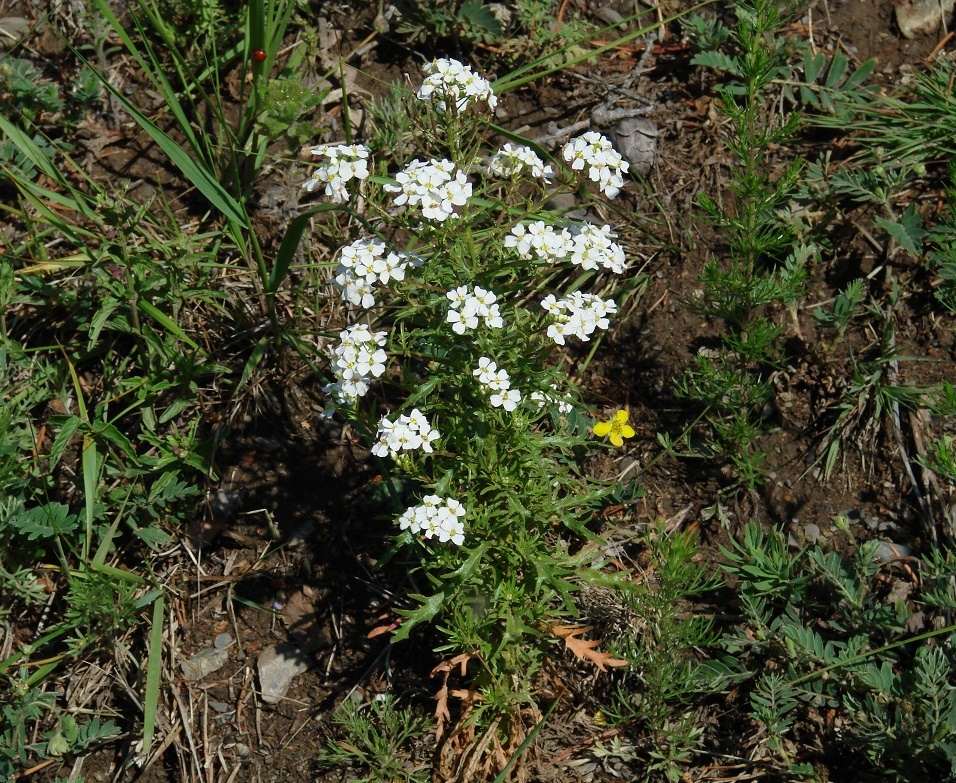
x=153, y=674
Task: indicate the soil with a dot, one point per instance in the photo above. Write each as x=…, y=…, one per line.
x=289, y=535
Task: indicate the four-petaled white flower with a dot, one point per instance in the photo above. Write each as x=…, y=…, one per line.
x=340, y=164
x=409, y=432
x=434, y=186
x=604, y=164
x=467, y=305
x=498, y=383
x=452, y=82
x=436, y=517
x=358, y=357
x=513, y=161
x=364, y=264
x=577, y=315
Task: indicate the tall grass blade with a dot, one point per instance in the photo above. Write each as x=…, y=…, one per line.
x=153, y=674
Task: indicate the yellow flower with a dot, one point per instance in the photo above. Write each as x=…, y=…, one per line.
x=617, y=428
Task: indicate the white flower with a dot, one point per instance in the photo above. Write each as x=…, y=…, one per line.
x=356, y=359
x=540, y=241
x=467, y=305
x=604, y=164
x=436, y=517
x=540, y=399
x=498, y=383
x=449, y=81
x=341, y=163
x=577, y=315
x=485, y=371
x=409, y=432
x=461, y=322
x=507, y=399
x=592, y=247
x=512, y=161
x=363, y=265
x=433, y=186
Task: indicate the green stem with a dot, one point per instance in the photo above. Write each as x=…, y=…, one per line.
x=863, y=656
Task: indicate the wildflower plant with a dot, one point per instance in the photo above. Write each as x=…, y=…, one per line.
x=449, y=366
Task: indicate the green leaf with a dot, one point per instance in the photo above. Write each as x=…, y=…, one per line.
x=432, y=605
x=153, y=536
x=908, y=232
x=46, y=521
x=194, y=172
x=837, y=69
x=70, y=425
x=154, y=671
x=718, y=61
x=482, y=18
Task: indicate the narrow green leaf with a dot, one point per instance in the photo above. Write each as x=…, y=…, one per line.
x=153, y=674
x=167, y=323
x=290, y=242
x=194, y=172
x=837, y=70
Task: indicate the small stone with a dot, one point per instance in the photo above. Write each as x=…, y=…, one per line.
x=887, y=551
x=304, y=623
x=812, y=532
x=609, y=16
x=12, y=30
x=568, y=205
x=636, y=140
x=241, y=749
x=222, y=641
x=219, y=706
x=204, y=663
x=922, y=17
x=278, y=665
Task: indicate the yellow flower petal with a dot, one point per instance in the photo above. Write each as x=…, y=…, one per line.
x=621, y=416
x=602, y=428
x=627, y=431
x=616, y=440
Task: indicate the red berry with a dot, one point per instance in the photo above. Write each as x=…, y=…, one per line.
x=259, y=55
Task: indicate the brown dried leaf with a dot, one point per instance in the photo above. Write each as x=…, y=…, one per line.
x=442, y=715
x=585, y=649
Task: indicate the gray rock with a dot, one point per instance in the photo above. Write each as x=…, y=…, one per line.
x=12, y=30
x=222, y=641
x=203, y=663
x=568, y=205
x=278, y=665
x=887, y=551
x=812, y=532
x=636, y=139
x=922, y=17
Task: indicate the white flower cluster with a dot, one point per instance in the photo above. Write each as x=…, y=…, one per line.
x=356, y=359
x=546, y=398
x=605, y=165
x=436, y=517
x=540, y=240
x=577, y=315
x=511, y=161
x=468, y=305
x=435, y=186
x=364, y=264
x=450, y=80
x=498, y=383
x=342, y=163
x=411, y=431
x=592, y=247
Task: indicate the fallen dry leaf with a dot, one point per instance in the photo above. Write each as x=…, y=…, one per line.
x=585, y=649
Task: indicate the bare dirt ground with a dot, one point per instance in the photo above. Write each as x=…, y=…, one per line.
x=292, y=526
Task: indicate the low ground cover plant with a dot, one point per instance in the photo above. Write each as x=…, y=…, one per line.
x=459, y=291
